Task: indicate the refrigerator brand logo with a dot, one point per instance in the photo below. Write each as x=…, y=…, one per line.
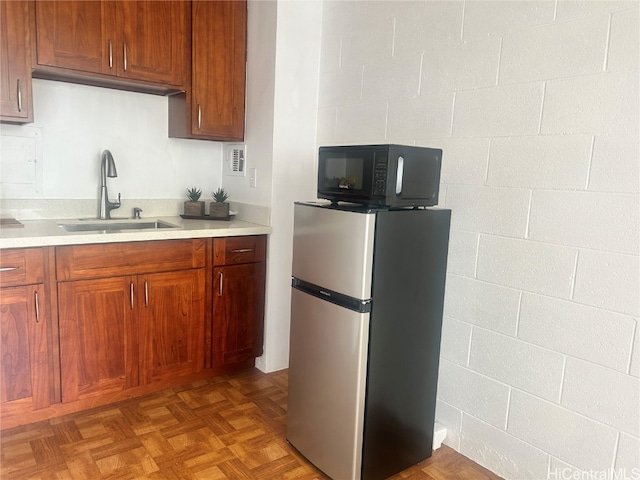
x=326, y=294
x=608, y=474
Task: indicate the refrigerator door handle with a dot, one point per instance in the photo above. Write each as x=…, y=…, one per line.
x=355, y=304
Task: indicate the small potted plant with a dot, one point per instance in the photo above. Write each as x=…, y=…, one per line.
x=194, y=206
x=219, y=208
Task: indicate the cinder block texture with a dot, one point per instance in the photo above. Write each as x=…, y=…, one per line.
x=481, y=303
x=600, y=221
x=471, y=392
x=500, y=451
x=535, y=104
x=530, y=266
x=512, y=361
x=589, y=333
x=566, y=435
x=609, y=281
x=599, y=393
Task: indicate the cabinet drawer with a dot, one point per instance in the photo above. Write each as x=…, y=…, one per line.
x=113, y=259
x=21, y=266
x=235, y=250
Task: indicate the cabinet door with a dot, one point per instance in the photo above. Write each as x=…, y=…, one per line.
x=219, y=38
x=98, y=337
x=15, y=69
x=238, y=312
x=75, y=35
x=153, y=43
x=171, y=314
x=24, y=366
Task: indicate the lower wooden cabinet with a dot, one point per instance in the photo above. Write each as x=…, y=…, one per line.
x=87, y=325
x=98, y=337
x=238, y=298
x=171, y=325
x=27, y=371
x=117, y=333
x=238, y=312
x=24, y=324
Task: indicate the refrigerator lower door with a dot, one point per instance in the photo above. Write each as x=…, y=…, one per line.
x=327, y=380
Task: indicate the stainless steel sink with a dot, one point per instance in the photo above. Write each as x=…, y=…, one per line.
x=114, y=226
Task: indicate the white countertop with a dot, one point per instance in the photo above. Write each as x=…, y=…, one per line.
x=40, y=233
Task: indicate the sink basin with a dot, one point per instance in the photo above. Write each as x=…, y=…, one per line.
x=107, y=226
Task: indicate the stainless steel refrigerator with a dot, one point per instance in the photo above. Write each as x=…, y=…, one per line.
x=366, y=318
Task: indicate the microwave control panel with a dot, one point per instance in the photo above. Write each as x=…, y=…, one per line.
x=380, y=175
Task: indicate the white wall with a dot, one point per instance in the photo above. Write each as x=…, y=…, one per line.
x=76, y=122
x=285, y=132
x=535, y=105
x=261, y=57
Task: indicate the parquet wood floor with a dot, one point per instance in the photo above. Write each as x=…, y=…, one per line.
x=229, y=427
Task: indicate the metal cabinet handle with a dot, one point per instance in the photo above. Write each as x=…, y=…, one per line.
x=199, y=116
x=124, y=50
x=110, y=54
x=220, y=286
x=131, y=293
x=19, y=96
x=146, y=293
x=8, y=269
x=242, y=250
x=37, y=304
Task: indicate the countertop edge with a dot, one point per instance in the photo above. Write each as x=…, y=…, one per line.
x=46, y=233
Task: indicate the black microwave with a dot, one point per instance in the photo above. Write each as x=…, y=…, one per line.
x=380, y=175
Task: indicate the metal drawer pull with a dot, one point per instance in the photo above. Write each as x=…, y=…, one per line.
x=8, y=269
x=19, y=96
x=37, y=302
x=220, y=286
x=131, y=292
x=146, y=293
x=242, y=250
x=199, y=116
x=110, y=55
x=124, y=49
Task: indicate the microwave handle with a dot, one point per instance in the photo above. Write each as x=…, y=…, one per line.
x=399, y=175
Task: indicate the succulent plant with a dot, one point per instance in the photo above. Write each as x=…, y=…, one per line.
x=220, y=195
x=193, y=194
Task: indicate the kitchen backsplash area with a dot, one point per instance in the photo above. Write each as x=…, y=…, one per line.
x=51, y=168
x=58, y=156
x=30, y=209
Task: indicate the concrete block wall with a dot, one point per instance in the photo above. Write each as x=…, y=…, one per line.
x=535, y=104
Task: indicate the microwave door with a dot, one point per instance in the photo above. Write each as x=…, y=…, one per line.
x=416, y=178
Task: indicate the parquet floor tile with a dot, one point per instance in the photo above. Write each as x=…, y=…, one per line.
x=230, y=427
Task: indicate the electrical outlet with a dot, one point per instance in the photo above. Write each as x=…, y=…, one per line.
x=253, y=173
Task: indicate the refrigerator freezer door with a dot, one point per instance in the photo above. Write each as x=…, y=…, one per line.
x=334, y=249
x=327, y=380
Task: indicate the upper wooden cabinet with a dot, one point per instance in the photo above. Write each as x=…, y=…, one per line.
x=214, y=107
x=15, y=63
x=132, y=42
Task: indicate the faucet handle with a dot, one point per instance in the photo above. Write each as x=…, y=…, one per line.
x=118, y=200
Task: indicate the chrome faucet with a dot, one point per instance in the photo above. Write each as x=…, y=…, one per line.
x=107, y=169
